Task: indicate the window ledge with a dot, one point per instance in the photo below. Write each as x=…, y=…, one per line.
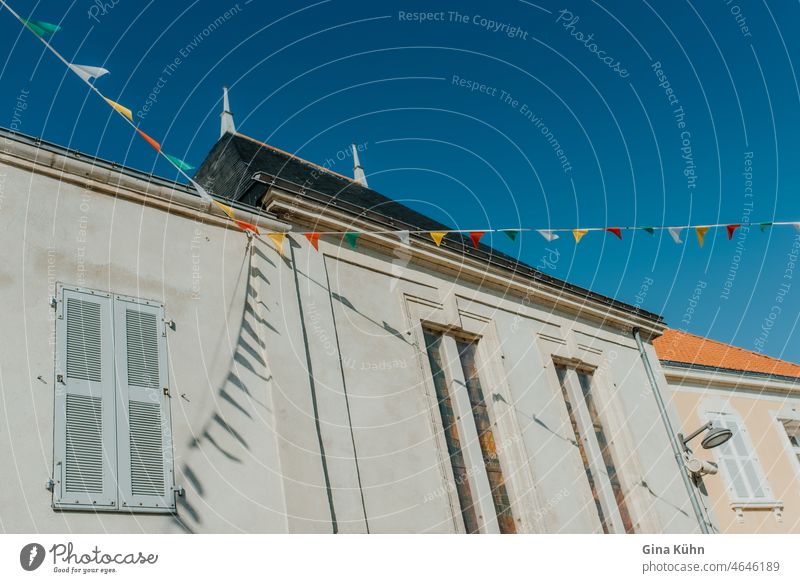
x=739, y=506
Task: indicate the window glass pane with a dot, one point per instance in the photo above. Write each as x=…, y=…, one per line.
x=502, y=505
x=460, y=474
x=561, y=372
x=585, y=380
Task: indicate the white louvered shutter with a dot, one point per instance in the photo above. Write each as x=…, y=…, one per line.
x=145, y=437
x=746, y=480
x=85, y=419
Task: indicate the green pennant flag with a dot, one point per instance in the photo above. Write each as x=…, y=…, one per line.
x=511, y=234
x=764, y=226
x=352, y=238
x=42, y=28
x=650, y=230
x=180, y=163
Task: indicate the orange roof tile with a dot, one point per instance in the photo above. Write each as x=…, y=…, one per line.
x=684, y=347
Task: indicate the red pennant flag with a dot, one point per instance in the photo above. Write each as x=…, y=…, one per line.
x=476, y=237
x=616, y=231
x=247, y=227
x=313, y=238
x=731, y=229
x=149, y=140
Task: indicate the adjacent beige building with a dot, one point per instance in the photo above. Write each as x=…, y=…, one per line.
x=757, y=488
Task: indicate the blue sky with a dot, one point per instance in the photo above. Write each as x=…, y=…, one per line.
x=311, y=78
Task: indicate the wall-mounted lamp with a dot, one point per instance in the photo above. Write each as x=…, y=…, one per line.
x=714, y=437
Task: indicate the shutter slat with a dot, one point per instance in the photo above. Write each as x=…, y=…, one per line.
x=84, y=342
x=141, y=334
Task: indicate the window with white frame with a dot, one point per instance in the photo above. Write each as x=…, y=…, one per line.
x=112, y=439
x=792, y=428
x=738, y=461
x=595, y=447
x=467, y=429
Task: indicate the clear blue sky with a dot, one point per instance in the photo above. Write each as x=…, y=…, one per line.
x=311, y=78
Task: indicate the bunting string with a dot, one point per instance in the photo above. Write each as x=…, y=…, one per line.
x=88, y=74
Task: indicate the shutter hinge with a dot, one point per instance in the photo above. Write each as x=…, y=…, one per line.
x=166, y=392
x=50, y=485
x=53, y=302
x=179, y=491
x=169, y=324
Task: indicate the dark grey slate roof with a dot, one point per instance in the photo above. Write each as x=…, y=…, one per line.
x=241, y=169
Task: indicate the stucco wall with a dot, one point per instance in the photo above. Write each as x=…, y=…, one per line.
x=302, y=399
x=758, y=407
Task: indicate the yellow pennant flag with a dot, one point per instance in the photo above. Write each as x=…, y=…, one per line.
x=121, y=109
x=437, y=237
x=278, y=239
x=578, y=234
x=225, y=209
x=701, y=234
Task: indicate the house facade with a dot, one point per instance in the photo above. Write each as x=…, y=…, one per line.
x=757, y=487
x=163, y=372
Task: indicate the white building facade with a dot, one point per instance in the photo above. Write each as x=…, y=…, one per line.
x=162, y=372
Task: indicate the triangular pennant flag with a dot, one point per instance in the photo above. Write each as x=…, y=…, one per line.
x=796, y=226
x=247, y=227
x=150, y=140
x=650, y=230
x=675, y=233
x=42, y=28
x=352, y=238
x=226, y=209
x=511, y=233
x=476, y=237
x=764, y=226
x=549, y=235
x=616, y=231
x=121, y=109
x=179, y=163
x=202, y=192
x=437, y=237
x=578, y=234
x=277, y=239
x=731, y=229
x=405, y=237
x=313, y=238
x=701, y=234
x=86, y=72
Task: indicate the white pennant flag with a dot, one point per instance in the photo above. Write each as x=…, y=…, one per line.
x=86, y=73
x=202, y=192
x=796, y=226
x=549, y=235
x=675, y=233
x=405, y=237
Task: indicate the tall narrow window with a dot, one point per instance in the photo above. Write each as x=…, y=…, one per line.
x=792, y=428
x=468, y=434
x=460, y=474
x=595, y=449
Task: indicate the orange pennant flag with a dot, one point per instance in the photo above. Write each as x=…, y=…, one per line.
x=278, y=239
x=701, y=234
x=476, y=237
x=149, y=140
x=437, y=237
x=247, y=227
x=313, y=238
x=121, y=109
x=578, y=234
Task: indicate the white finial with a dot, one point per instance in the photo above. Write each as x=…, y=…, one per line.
x=226, y=126
x=358, y=171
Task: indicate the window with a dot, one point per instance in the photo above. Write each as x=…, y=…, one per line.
x=112, y=439
x=468, y=433
x=792, y=428
x=743, y=474
x=595, y=449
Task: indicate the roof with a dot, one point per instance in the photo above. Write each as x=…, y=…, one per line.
x=676, y=346
x=241, y=168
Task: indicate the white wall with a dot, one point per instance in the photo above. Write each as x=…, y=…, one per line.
x=248, y=417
